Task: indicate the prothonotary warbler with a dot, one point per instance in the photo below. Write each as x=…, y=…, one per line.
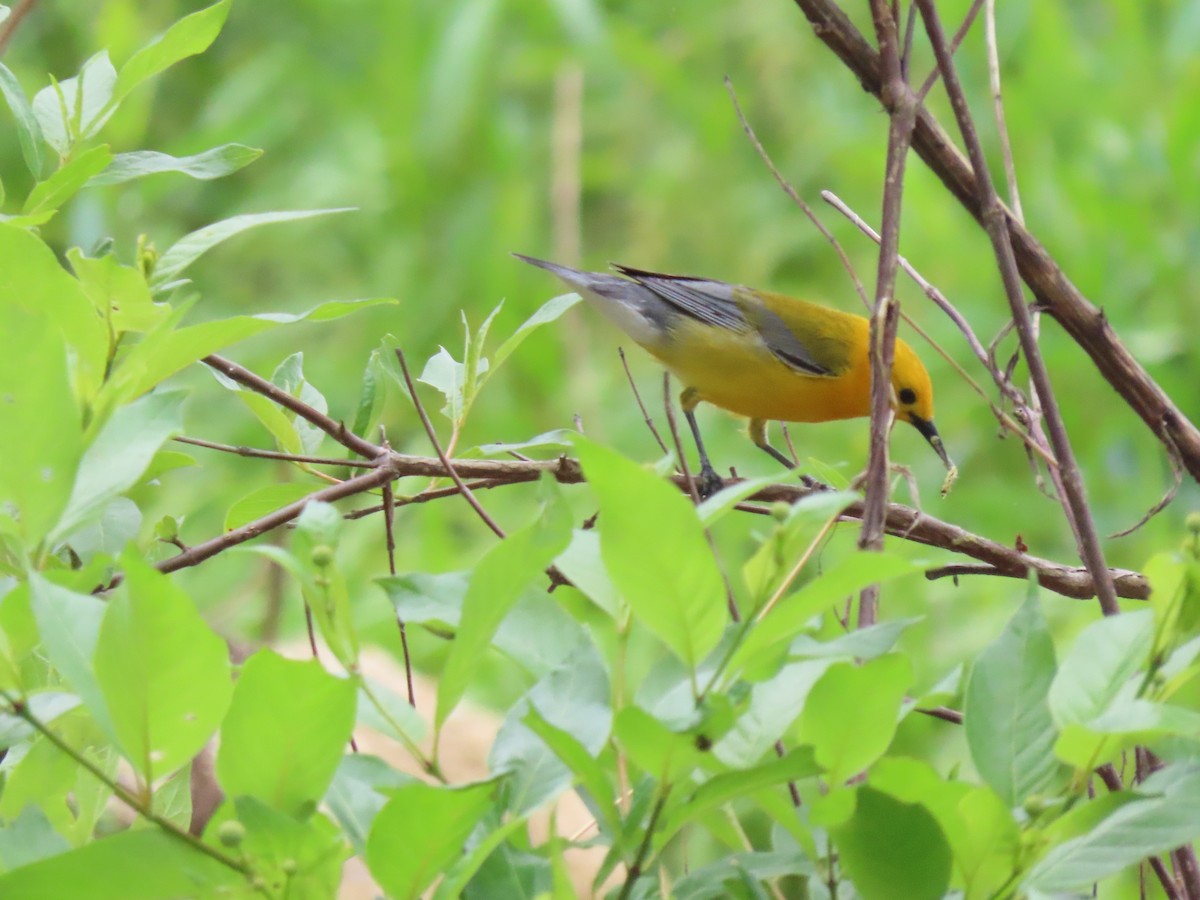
x=755, y=353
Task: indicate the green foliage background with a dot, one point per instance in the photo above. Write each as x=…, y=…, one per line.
x=436, y=121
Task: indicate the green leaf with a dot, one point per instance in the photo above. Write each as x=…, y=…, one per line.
x=847, y=744
x=588, y=773
x=285, y=733
x=39, y=466
x=35, y=283
x=661, y=753
x=453, y=885
x=314, y=546
x=432, y=840
x=448, y=376
x=290, y=857
x=71, y=110
x=977, y=823
x=118, y=455
x=582, y=563
x=575, y=697
x=548, y=312
x=119, y=293
x=118, y=524
x=69, y=624
x=1167, y=817
x=139, y=864
x=192, y=246
x=790, y=616
x=1009, y=729
x=1103, y=658
x=422, y=598
x=728, y=787
x=167, y=350
x=892, y=849
x=190, y=35
x=654, y=548
x=165, y=675
x=29, y=133
x=45, y=707
x=64, y=184
x=215, y=163
x=496, y=584
x=359, y=791
x=774, y=706
x=28, y=838
x=262, y=501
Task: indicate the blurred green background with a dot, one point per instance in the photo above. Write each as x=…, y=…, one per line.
x=589, y=132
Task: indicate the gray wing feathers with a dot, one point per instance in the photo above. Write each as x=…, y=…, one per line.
x=782, y=341
x=655, y=297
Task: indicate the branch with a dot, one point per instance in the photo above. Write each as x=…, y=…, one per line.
x=1085, y=323
x=885, y=312
x=260, y=385
x=994, y=218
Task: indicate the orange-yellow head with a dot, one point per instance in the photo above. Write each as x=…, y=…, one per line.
x=913, y=392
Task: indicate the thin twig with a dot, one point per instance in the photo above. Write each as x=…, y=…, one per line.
x=945, y=713
x=423, y=497
x=673, y=430
x=275, y=454
x=885, y=312
x=20, y=709
x=635, y=868
x=796, y=198
x=389, y=532
x=994, y=221
x=336, y=430
x=200, y=552
x=466, y=492
x=968, y=21
x=993, y=56
x=1165, y=500
x=15, y=15
x=1081, y=319
x=642, y=406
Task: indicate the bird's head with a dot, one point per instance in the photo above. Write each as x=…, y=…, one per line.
x=912, y=393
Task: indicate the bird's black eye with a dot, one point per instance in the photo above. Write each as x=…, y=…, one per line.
x=908, y=396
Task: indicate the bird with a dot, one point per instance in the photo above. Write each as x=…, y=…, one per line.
x=757, y=354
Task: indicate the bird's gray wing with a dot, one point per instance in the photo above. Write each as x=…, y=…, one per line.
x=784, y=343
x=713, y=303
x=710, y=302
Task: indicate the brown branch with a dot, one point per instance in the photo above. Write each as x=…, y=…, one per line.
x=637, y=396
x=260, y=385
x=968, y=21
x=256, y=453
x=1086, y=324
x=389, y=534
x=885, y=313
x=466, y=492
x=994, y=218
x=15, y=15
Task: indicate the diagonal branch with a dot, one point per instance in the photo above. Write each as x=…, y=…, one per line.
x=1085, y=323
x=885, y=315
x=994, y=217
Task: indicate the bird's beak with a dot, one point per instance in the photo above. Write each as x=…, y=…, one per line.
x=930, y=434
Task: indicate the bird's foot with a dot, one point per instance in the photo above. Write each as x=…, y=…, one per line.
x=708, y=482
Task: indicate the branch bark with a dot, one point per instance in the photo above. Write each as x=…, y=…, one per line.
x=1081, y=319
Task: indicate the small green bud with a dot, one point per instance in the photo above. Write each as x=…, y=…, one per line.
x=231, y=833
x=780, y=510
x=322, y=555
x=1192, y=522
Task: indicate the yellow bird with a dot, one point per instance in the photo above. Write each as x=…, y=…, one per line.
x=755, y=353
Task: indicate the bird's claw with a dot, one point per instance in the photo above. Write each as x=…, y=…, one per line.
x=708, y=482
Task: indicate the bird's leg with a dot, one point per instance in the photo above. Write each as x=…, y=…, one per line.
x=708, y=482
x=758, y=434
